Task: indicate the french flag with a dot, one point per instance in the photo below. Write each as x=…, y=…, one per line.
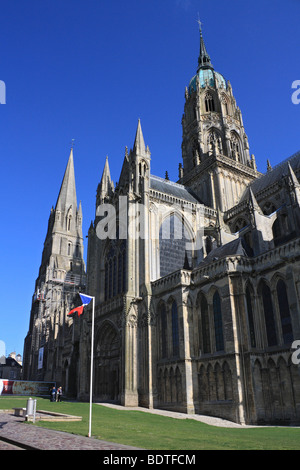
x=85, y=299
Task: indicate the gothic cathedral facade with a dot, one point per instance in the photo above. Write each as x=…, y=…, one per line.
x=198, y=312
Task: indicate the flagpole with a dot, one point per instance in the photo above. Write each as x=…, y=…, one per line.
x=92, y=367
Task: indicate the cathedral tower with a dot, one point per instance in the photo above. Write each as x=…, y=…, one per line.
x=61, y=275
x=215, y=149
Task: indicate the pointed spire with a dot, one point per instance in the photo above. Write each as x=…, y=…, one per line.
x=252, y=202
x=79, y=212
x=204, y=58
x=67, y=194
x=292, y=175
x=106, y=186
x=139, y=143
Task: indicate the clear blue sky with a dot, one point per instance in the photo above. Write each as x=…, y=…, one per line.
x=88, y=69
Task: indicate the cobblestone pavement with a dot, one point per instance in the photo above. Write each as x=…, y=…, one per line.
x=13, y=430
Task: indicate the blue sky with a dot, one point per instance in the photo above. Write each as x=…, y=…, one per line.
x=88, y=70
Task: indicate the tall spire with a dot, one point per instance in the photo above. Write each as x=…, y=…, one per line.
x=67, y=194
x=204, y=58
x=106, y=186
x=139, y=143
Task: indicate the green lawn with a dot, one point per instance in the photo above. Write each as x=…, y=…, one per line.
x=154, y=432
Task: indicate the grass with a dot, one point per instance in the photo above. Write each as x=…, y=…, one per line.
x=154, y=432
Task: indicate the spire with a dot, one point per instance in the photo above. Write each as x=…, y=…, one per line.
x=292, y=175
x=67, y=194
x=139, y=143
x=204, y=58
x=106, y=185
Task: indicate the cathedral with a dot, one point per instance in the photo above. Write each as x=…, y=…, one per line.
x=196, y=282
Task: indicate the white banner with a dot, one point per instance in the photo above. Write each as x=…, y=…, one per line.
x=41, y=358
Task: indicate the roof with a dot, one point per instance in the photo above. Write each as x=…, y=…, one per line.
x=275, y=174
x=234, y=247
x=11, y=362
x=208, y=77
x=173, y=189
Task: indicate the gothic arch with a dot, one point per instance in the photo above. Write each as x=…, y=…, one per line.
x=211, y=383
x=267, y=308
x=163, y=330
x=219, y=382
x=107, y=362
x=236, y=147
x=202, y=384
x=176, y=240
x=226, y=108
x=209, y=102
x=228, y=388
x=250, y=309
x=214, y=141
x=204, y=324
x=113, y=261
x=281, y=302
x=214, y=299
x=239, y=224
x=268, y=208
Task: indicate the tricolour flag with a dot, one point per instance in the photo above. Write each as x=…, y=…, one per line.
x=85, y=301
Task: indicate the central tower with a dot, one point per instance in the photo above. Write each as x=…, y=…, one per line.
x=215, y=150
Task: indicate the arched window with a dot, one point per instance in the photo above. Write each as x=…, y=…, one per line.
x=173, y=241
x=208, y=244
x=269, y=315
x=218, y=322
x=209, y=103
x=284, y=310
x=175, y=331
x=205, y=326
x=115, y=271
x=163, y=325
x=225, y=106
x=276, y=231
x=250, y=318
x=69, y=248
x=269, y=208
x=235, y=148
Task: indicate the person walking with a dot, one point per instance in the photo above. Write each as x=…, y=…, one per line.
x=53, y=394
x=59, y=394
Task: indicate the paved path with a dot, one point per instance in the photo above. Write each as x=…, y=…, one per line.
x=14, y=430
x=172, y=414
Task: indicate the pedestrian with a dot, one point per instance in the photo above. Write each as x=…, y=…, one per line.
x=53, y=394
x=59, y=394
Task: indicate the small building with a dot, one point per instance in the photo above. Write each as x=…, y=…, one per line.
x=10, y=368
